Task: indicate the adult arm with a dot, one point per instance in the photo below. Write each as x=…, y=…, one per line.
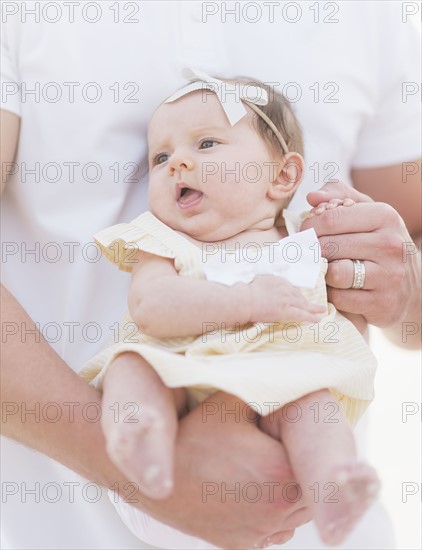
x=32, y=374
x=387, y=235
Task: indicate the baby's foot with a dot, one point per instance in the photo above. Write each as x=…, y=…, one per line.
x=333, y=203
x=142, y=447
x=357, y=487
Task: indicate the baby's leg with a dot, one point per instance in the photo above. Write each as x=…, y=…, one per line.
x=322, y=454
x=139, y=420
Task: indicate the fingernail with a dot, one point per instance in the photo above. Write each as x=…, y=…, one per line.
x=167, y=483
x=319, y=210
x=282, y=536
x=151, y=473
x=348, y=202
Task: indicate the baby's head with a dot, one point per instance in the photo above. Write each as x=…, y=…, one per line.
x=216, y=171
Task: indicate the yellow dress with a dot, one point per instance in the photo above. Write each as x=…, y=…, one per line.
x=265, y=365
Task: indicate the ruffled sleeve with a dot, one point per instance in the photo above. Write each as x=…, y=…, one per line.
x=120, y=243
x=293, y=220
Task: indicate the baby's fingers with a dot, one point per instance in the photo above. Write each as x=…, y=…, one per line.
x=294, y=313
x=294, y=297
x=298, y=308
x=333, y=203
x=316, y=308
x=300, y=315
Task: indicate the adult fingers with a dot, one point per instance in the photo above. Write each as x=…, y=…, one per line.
x=376, y=246
x=341, y=274
x=354, y=301
x=359, y=218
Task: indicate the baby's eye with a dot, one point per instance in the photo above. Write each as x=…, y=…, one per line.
x=207, y=143
x=160, y=158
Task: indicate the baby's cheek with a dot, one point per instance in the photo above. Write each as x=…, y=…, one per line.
x=154, y=196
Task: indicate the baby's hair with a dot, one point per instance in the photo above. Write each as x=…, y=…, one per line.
x=280, y=112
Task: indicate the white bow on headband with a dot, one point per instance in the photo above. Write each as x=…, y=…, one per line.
x=231, y=95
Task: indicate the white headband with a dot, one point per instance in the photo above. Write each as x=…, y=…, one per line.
x=229, y=95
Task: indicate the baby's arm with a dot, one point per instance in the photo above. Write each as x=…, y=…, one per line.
x=164, y=304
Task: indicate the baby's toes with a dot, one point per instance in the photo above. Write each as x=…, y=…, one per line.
x=334, y=203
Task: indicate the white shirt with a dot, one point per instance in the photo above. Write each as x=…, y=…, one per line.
x=98, y=73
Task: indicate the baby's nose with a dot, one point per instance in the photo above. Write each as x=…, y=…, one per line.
x=180, y=161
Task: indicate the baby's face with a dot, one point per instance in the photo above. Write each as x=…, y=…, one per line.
x=208, y=179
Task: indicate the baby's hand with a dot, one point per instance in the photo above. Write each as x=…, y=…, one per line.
x=333, y=203
x=274, y=299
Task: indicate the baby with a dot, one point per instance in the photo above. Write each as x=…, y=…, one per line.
x=225, y=160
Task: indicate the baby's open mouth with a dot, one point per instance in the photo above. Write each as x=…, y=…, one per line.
x=188, y=197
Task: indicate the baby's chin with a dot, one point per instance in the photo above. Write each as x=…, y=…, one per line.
x=193, y=227
x=214, y=232
x=209, y=236
x=219, y=230
x=200, y=229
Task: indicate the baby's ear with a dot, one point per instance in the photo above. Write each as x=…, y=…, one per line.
x=290, y=174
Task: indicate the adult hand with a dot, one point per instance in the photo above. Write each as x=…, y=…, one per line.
x=372, y=232
x=231, y=480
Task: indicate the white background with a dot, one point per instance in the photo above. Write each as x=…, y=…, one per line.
x=394, y=445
